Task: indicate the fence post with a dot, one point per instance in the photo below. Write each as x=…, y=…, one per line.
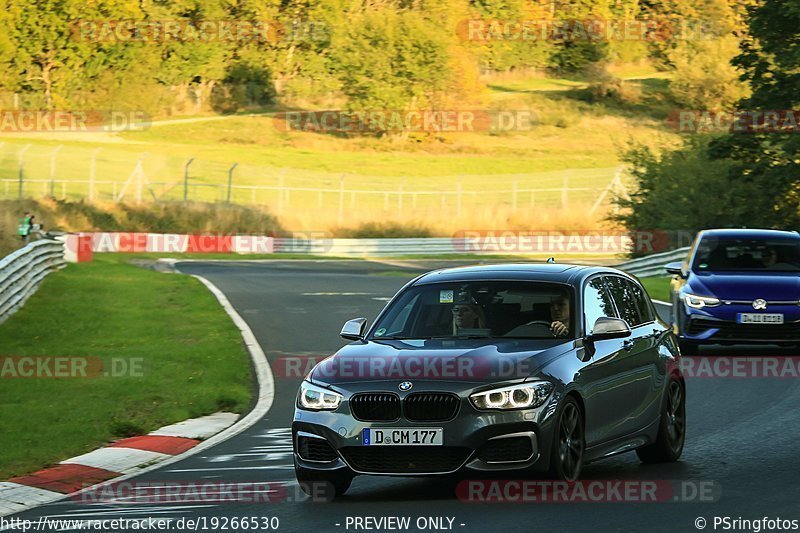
x=514, y=196
x=280, y=191
x=53, y=169
x=458, y=198
x=341, y=199
x=230, y=181
x=400, y=198
x=22, y=168
x=186, y=180
x=91, y=174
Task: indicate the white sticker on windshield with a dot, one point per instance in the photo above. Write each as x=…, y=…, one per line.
x=445, y=297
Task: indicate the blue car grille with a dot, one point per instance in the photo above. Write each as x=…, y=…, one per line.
x=757, y=332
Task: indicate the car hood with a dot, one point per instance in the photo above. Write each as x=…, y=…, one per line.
x=461, y=360
x=773, y=286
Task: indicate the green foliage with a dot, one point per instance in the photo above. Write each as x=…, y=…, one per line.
x=737, y=179
x=704, y=76
x=683, y=189
x=391, y=59
x=363, y=53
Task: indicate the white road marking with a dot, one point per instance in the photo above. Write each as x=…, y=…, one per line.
x=336, y=293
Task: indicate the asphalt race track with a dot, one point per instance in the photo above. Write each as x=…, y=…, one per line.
x=743, y=434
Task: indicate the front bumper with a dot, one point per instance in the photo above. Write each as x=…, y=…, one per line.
x=472, y=441
x=719, y=325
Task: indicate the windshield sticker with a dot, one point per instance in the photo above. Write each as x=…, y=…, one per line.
x=445, y=297
x=380, y=332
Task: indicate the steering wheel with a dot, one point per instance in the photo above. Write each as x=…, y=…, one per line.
x=539, y=324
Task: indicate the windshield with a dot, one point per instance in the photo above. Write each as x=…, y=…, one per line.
x=480, y=309
x=778, y=255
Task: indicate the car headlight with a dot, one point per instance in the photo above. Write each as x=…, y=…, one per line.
x=522, y=396
x=699, y=302
x=317, y=399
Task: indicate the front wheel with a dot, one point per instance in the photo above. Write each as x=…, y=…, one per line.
x=569, y=443
x=672, y=429
x=321, y=484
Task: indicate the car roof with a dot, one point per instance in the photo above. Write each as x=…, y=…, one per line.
x=549, y=272
x=751, y=233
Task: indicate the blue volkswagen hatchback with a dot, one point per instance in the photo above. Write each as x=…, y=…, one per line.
x=738, y=286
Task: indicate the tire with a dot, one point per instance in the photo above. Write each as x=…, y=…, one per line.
x=671, y=429
x=688, y=347
x=323, y=485
x=569, y=443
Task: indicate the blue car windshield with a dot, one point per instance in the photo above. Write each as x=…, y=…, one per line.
x=480, y=309
x=731, y=254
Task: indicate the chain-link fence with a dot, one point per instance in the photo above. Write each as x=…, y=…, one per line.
x=113, y=173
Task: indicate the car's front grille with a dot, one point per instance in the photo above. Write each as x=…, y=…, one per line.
x=757, y=332
x=313, y=449
x=430, y=406
x=375, y=407
x=405, y=459
x=506, y=450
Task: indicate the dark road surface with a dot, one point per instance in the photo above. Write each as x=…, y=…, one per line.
x=743, y=434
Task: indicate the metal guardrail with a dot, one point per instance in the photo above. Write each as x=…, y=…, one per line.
x=653, y=265
x=371, y=247
x=22, y=271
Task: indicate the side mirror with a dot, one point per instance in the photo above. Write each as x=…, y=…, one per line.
x=609, y=328
x=354, y=329
x=676, y=268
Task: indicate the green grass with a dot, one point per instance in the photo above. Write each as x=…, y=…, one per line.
x=657, y=287
x=192, y=359
x=444, y=182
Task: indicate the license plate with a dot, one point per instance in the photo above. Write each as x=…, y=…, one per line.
x=402, y=436
x=760, y=318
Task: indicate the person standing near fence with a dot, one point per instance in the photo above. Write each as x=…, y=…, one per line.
x=24, y=229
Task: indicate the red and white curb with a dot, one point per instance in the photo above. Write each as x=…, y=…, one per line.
x=122, y=457
x=166, y=445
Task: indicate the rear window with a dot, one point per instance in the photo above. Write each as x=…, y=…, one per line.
x=727, y=254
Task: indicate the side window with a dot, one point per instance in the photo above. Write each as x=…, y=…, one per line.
x=642, y=303
x=596, y=303
x=626, y=299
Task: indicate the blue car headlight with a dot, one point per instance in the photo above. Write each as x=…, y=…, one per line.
x=522, y=396
x=698, y=302
x=316, y=398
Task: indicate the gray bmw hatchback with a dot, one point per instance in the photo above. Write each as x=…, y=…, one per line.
x=539, y=367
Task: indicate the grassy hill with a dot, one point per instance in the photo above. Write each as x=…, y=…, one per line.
x=445, y=182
